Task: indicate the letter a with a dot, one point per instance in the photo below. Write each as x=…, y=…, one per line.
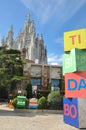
x=82, y=84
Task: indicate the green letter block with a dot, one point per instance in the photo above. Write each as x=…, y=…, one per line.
x=74, y=61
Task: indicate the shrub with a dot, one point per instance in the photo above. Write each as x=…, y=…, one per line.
x=49, y=87
x=55, y=100
x=14, y=102
x=42, y=102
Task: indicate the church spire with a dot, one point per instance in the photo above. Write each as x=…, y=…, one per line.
x=3, y=41
x=27, y=23
x=11, y=28
x=28, y=17
x=41, y=39
x=10, y=37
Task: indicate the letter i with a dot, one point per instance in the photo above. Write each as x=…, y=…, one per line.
x=79, y=39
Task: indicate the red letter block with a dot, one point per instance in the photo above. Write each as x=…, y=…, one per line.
x=75, y=85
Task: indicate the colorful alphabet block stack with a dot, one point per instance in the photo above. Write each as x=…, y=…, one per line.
x=74, y=71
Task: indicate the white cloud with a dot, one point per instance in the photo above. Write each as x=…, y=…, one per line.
x=54, y=59
x=54, y=63
x=62, y=10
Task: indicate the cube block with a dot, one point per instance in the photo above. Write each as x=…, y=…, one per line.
x=75, y=85
x=75, y=111
x=75, y=39
x=74, y=61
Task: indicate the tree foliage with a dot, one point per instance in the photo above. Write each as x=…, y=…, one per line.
x=42, y=102
x=55, y=100
x=11, y=67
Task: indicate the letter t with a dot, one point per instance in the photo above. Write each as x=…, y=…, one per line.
x=72, y=37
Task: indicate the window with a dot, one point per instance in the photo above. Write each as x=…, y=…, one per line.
x=36, y=82
x=55, y=84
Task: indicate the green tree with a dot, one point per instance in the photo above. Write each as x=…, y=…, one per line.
x=11, y=68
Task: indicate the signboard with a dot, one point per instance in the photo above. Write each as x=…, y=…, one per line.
x=35, y=88
x=21, y=101
x=75, y=84
x=74, y=61
x=33, y=103
x=75, y=39
x=71, y=111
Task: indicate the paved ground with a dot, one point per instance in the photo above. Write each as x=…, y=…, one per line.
x=12, y=120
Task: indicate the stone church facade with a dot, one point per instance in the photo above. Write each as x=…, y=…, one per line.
x=31, y=46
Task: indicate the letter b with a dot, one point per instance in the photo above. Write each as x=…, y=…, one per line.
x=66, y=110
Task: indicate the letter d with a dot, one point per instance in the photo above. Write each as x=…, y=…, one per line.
x=72, y=84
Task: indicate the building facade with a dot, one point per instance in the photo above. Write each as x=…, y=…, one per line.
x=31, y=46
x=44, y=75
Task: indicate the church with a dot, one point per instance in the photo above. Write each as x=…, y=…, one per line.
x=44, y=77
x=31, y=46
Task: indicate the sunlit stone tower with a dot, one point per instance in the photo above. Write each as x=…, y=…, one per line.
x=27, y=42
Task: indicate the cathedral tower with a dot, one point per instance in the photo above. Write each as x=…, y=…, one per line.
x=9, y=39
x=32, y=46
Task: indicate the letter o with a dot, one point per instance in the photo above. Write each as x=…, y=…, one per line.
x=75, y=111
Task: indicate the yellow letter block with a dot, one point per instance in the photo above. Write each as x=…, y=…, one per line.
x=75, y=39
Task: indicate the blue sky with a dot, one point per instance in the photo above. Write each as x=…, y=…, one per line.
x=51, y=17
